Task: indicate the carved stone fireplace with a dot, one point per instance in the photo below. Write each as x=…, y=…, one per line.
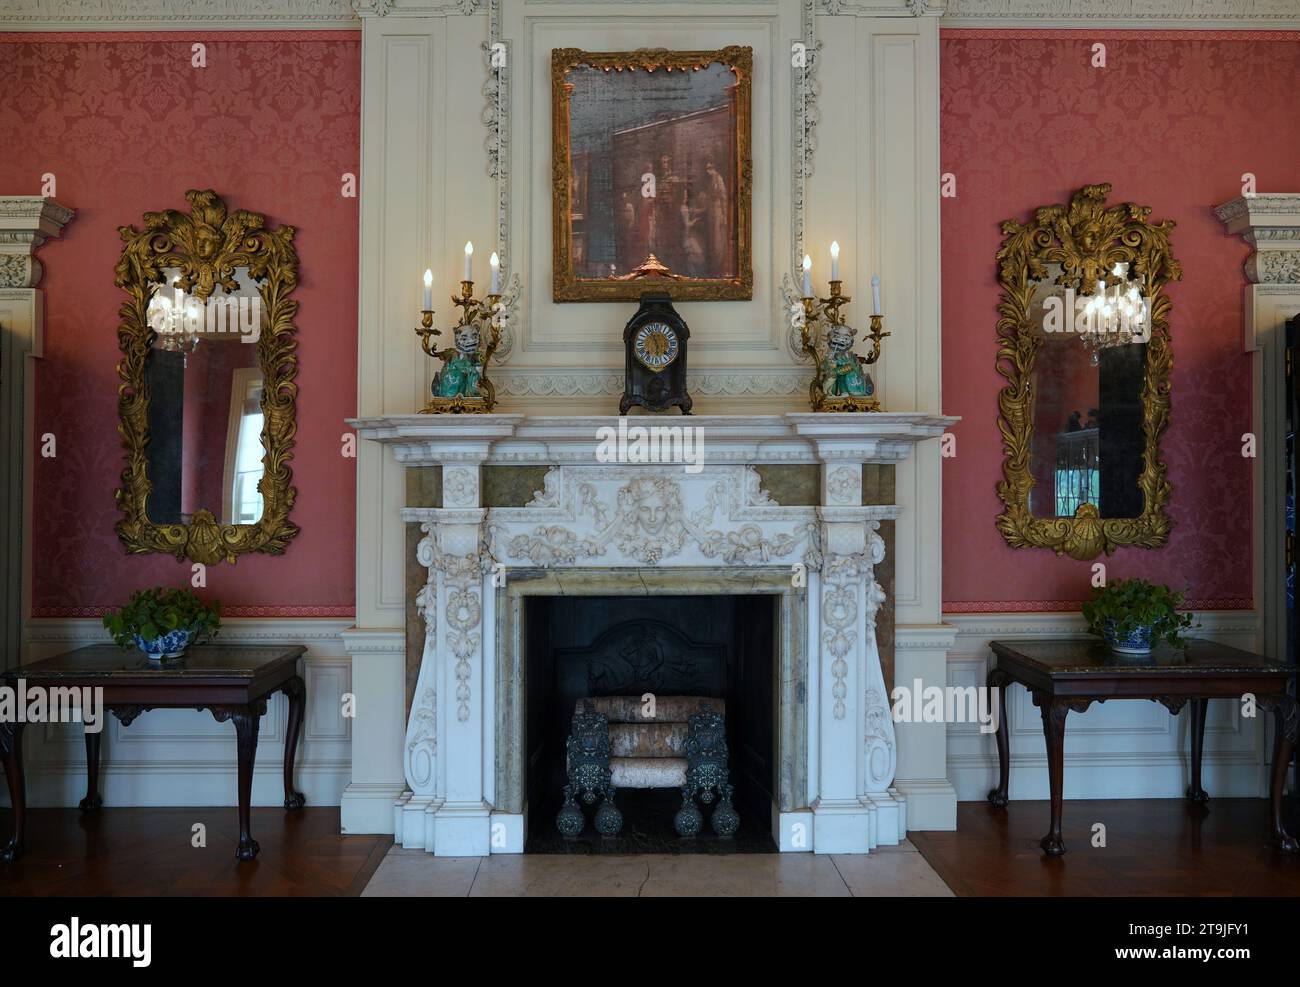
x=786, y=506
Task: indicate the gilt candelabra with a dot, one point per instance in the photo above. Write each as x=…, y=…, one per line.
x=461, y=385
x=840, y=381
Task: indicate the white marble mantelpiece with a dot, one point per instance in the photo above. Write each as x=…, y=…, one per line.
x=613, y=527
x=793, y=437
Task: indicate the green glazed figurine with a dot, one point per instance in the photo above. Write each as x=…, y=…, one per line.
x=842, y=368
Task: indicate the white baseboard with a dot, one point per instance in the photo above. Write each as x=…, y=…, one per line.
x=931, y=803
x=367, y=807
x=184, y=757
x=1122, y=749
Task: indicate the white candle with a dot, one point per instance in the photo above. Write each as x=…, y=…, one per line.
x=469, y=262
x=428, y=290
x=835, y=260
x=495, y=262
x=807, y=276
x=875, y=294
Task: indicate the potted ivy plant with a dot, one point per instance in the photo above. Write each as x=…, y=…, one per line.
x=163, y=622
x=1132, y=614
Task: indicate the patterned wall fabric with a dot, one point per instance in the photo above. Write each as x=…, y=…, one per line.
x=126, y=124
x=1172, y=121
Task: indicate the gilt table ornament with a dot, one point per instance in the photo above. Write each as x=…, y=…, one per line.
x=841, y=381
x=461, y=384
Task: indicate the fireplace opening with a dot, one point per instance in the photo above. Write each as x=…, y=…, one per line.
x=718, y=648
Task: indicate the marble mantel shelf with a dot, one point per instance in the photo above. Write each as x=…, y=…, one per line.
x=793, y=437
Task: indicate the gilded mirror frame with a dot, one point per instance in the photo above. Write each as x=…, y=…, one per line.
x=207, y=246
x=566, y=286
x=1086, y=239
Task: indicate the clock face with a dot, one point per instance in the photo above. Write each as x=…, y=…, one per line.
x=655, y=345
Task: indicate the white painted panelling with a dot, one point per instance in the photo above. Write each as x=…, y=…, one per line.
x=185, y=757
x=1118, y=749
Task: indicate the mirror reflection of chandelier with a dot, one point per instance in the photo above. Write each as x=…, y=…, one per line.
x=170, y=321
x=1116, y=313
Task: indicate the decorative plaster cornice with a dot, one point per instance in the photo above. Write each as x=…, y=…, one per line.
x=883, y=8
x=1271, y=224
x=110, y=15
x=1271, y=209
x=1119, y=13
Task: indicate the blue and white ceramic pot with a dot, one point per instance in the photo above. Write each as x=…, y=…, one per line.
x=169, y=645
x=1136, y=642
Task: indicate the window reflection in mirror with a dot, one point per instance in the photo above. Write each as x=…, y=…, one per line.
x=1086, y=412
x=205, y=416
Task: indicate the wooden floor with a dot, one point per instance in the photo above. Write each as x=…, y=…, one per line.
x=1153, y=847
x=149, y=852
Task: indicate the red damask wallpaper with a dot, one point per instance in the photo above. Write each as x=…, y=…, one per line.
x=125, y=124
x=1172, y=121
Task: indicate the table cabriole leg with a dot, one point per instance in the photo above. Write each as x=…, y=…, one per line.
x=1284, y=738
x=1054, y=712
x=296, y=691
x=999, y=680
x=247, y=718
x=1194, y=791
x=93, y=799
x=11, y=749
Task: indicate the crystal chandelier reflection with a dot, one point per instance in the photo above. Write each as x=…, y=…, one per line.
x=1116, y=314
x=173, y=321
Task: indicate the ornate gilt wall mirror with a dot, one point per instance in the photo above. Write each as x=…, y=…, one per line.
x=1083, y=342
x=207, y=399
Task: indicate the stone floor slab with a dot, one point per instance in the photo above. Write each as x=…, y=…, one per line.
x=887, y=872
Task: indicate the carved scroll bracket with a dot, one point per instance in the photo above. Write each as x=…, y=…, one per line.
x=26, y=222
x=1270, y=223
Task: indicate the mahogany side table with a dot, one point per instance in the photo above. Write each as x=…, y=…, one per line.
x=232, y=681
x=1070, y=674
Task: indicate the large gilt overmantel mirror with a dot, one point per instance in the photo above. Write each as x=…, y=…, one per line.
x=1083, y=342
x=208, y=391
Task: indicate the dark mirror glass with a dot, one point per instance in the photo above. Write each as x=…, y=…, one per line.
x=205, y=417
x=1088, y=438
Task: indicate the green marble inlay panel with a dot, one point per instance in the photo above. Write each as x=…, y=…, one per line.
x=792, y=485
x=511, y=486
x=415, y=577
x=877, y=484
x=885, y=616
x=424, y=486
